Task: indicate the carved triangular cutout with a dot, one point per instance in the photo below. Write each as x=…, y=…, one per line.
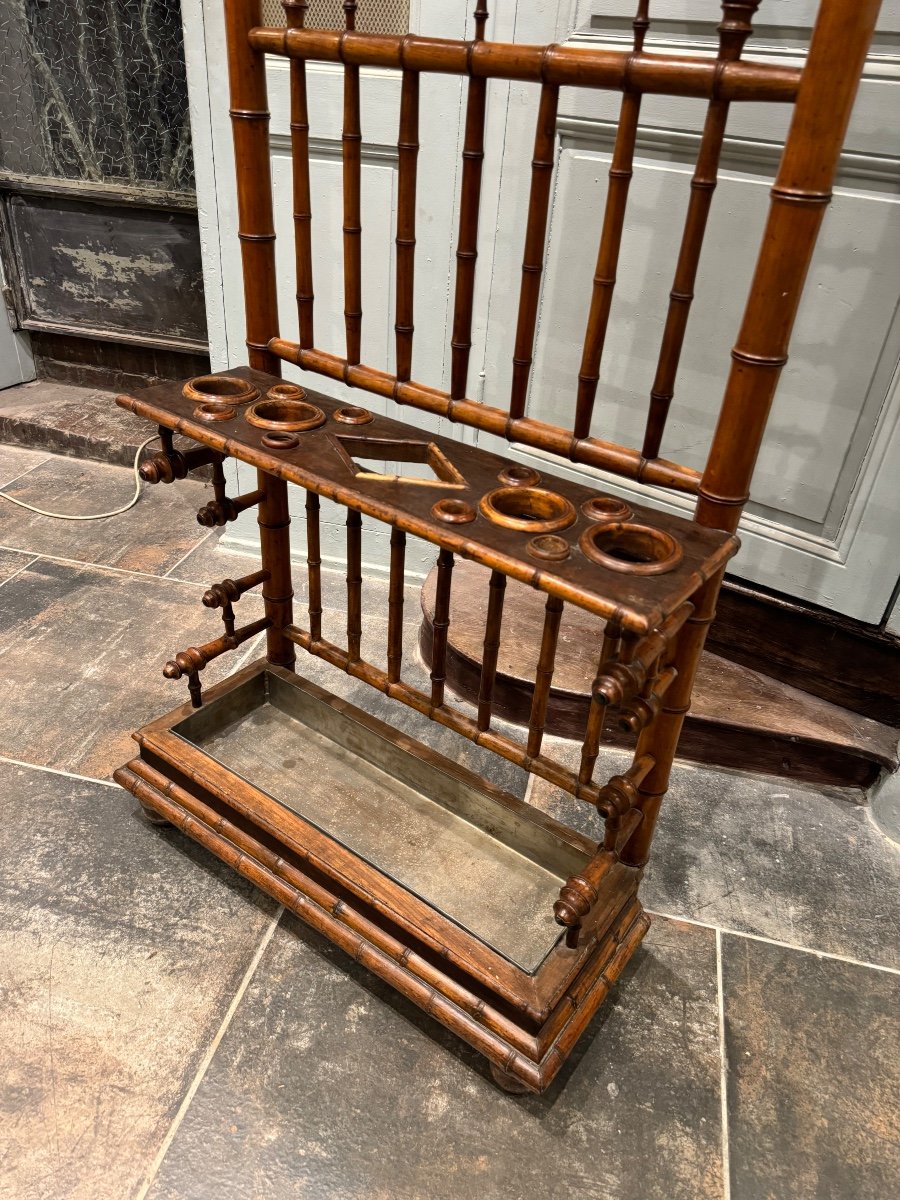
x=398, y=460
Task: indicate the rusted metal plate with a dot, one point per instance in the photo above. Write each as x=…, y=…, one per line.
x=108, y=271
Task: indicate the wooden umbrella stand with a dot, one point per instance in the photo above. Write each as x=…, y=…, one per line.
x=504, y=925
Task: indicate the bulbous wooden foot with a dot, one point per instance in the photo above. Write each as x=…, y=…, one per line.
x=152, y=816
x=509, y=1083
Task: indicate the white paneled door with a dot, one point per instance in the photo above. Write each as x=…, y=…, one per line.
x=824, y=524
x=825, y=521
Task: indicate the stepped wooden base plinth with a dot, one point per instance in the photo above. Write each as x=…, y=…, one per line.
x=474, y=945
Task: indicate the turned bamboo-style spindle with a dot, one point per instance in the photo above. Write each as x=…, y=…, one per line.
x=544, y=677
x=169, y=464
x=295, y=14
x=620, y=172
x=351, y=143
x=395, y=604
x=612, y=642
x=407, y=154
x=192, y=661
x=535, y=238
x=735, y=28
x=491, y=648
x=441, y=624
x=223, y=508
x=250, y=131
x=354, y=583
x=592, y=452
x=559, y=65
x=469, y=208
x=314, y=564
x=274, y=521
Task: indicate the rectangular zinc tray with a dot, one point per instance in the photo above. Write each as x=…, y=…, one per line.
x=487, y=865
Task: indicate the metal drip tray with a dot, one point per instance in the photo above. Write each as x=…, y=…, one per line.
x=484, y=860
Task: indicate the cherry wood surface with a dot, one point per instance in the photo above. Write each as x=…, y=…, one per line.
x=653, y=578
x=319, y=464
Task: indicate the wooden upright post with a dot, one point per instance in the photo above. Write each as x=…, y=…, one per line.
x=256, y=229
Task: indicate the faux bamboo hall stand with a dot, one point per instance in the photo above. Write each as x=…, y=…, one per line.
x=515, y=953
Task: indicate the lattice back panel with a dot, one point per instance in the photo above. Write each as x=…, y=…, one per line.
x=374, y=16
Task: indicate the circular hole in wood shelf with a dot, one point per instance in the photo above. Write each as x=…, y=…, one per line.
x=285, y=391
x=454, y=512
x=532, y=509
x=606, y=508
x=549, y=547
x=215, y=412
x=633, y=549
x=224, y=390
x=286, y=416
x=280, y=441
x=352, y=414
x=519, y=476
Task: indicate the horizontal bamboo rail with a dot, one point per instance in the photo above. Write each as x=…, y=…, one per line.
x=421, y=701
x=506, y=747
x=592, y=452
x=180, y=798
x=562, y=66
x=483, y=1025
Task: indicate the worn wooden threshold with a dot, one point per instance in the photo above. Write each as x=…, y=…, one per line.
x=739, y=718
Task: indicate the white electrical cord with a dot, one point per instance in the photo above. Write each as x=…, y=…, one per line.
x=92, y=516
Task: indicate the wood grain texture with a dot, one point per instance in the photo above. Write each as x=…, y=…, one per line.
x=407, y=155
x=295, y=14
x=846, y=662
x=542, y=163
x=734, y=30
x=654, y=577
x=250, y=131
x=318, y=464
x=467, y=238
x=351, y=154
x=620, y=173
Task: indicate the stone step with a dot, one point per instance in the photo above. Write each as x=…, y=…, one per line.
x=64, y=419
x=78, y=422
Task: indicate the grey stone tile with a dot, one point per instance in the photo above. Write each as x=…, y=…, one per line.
x=12, y=561
x=327, y=1084
x=793, y=862
x=151, y=537
x=15, y=461
x=122, y=946
x=210, y=562
x=83, y=651
x=813, y=1075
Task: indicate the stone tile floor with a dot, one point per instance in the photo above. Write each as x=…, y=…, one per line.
x=167, y=1032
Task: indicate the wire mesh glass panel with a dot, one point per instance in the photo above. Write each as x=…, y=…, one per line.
x=372, y=16
x=95, y=91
